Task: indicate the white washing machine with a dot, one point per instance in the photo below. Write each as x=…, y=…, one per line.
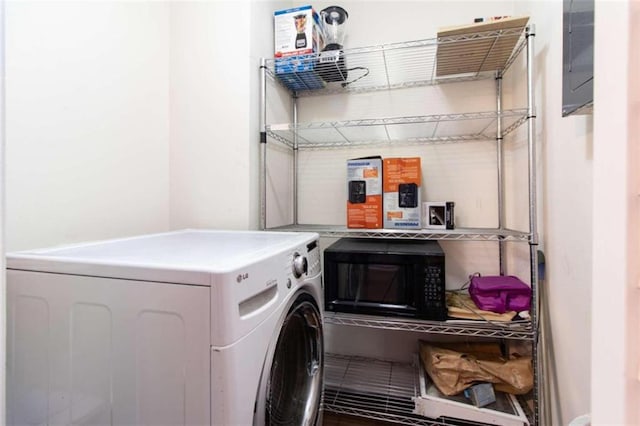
x=190, y=327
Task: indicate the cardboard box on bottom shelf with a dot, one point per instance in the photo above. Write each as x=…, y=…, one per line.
x=364, y=189
x=401, y=199
x=431, y=403
x=447, y=369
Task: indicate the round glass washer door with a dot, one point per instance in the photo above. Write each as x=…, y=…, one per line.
x=294, y=389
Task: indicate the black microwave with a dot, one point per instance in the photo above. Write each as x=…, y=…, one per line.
x=385, y=277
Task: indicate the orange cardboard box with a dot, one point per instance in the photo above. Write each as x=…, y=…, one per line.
x=364, y=193
x=401, y=187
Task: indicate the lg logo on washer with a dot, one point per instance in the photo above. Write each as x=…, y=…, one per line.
x=242, y=277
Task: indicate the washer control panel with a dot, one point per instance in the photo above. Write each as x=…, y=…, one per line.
x=313, y=254
x=306, y=260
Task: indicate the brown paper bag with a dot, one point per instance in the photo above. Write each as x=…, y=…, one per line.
x=453, y=371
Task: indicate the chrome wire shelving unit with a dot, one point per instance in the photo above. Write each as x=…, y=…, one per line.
x=377, y=389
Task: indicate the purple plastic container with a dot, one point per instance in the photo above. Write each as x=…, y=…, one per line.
x=500, y=293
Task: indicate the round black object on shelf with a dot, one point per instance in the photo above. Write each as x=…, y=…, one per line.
x=335, y=14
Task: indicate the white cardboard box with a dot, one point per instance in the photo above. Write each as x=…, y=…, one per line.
x=297, y=31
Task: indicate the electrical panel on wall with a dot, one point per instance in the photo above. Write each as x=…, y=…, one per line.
x=577, y=72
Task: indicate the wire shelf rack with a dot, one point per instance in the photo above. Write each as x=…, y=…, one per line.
x=401, y=65
x=516, y=330
x=459, y=234
x=376, y=390
x=478, y=126
x=370, y=388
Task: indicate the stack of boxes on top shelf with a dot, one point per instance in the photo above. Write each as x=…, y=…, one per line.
x=298, y=37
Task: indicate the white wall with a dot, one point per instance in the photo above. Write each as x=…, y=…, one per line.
x=215, y=50
x=615, y=363
x=132, y=117
x=87, y=120
x=210, y=75
x=3, y=284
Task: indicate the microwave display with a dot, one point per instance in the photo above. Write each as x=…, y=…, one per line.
x=385, y=277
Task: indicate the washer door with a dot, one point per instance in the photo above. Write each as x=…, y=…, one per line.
x=294, y=387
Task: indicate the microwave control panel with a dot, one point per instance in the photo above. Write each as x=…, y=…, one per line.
x=435, y=306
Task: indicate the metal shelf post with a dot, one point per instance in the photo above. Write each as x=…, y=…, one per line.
x=533, y=227
x=263, y=145
x=500, y=171
x=294, y=113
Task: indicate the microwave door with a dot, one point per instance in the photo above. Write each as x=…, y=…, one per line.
x=369, y=284
x=357, y=281
x=350, y=280
x=383, y=284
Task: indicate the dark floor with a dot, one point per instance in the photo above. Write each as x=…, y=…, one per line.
x=331, y=419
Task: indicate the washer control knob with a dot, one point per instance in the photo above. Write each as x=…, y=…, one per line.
x=300, y=265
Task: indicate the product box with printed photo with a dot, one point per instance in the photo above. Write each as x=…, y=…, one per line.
x=364, y=188
x=401, y=199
